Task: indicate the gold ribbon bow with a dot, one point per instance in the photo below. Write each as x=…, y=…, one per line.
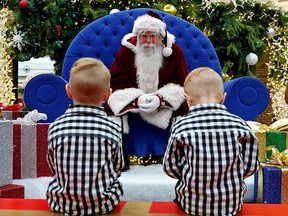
x=279, y=125
x=278, y=158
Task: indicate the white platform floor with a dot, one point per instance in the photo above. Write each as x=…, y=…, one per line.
x=140, y=183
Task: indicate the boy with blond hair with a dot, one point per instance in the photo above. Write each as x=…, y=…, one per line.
x=210, y=151
x=84, y=146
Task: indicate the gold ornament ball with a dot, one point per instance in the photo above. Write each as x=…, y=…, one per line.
x=169, y=8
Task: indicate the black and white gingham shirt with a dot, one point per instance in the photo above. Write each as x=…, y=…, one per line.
x=85, y=156
x=211, y=152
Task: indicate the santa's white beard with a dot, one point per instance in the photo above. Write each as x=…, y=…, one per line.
x=148, y=61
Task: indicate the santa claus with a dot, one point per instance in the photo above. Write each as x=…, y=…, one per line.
x=147, y=77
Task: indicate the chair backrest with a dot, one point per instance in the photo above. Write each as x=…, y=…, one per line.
x=102, y=39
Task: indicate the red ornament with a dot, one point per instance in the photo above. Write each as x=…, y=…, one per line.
x=23, y=4
x=231, y=72
x=59, y=30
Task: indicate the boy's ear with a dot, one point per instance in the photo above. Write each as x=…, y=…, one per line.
x=107, y=95
x=68, y=91
x=188, y=99
x=223, y=98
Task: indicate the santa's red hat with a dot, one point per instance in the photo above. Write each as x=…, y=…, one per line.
x=151, y=21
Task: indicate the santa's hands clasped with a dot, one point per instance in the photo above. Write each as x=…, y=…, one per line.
x=148, y=102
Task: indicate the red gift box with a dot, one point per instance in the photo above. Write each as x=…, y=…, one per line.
x=12, y=191
x=30, y=150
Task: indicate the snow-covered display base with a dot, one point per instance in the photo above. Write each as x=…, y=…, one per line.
x=140, y=183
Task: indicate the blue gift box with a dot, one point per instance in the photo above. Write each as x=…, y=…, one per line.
x=271, y=184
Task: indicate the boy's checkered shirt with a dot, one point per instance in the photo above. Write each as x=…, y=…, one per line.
x=85, y=156
x=211, y=152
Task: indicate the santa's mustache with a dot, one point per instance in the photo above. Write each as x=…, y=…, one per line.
x=148, y=45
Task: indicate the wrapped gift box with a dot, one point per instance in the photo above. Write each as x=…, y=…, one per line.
x=6, y=152
x=279, y=139
x=274, y=135
x=271, y=184
x=30, y=150
x=12, y=191
x=13, y=115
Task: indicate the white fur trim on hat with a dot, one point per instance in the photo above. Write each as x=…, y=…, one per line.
x=149, y=23
x=125, y=42
x=167, y=51
x=169, y=39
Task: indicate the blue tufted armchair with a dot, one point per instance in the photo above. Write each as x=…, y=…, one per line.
x=247, y=97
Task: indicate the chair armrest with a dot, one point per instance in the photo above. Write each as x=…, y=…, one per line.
x=46, y=93
x=246, y=97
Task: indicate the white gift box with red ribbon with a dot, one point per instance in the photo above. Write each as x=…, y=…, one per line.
x=30, y=150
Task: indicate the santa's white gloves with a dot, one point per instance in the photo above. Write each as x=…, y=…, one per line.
x=148, y=102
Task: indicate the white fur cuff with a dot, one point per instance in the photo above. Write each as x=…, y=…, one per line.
x=160, y=119
x=173, y=94
x=121, y=98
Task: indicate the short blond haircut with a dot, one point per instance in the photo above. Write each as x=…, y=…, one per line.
x=89, y=80
x=204, y=82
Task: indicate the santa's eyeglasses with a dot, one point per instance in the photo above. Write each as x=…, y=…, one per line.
x=151, y=37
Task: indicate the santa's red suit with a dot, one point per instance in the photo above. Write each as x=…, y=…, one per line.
x=128, y=84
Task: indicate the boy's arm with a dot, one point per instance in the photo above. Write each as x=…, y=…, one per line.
x=250, y=154
x=172, y=161
x=50, y=159
x=118, y=161
x=50, y=150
